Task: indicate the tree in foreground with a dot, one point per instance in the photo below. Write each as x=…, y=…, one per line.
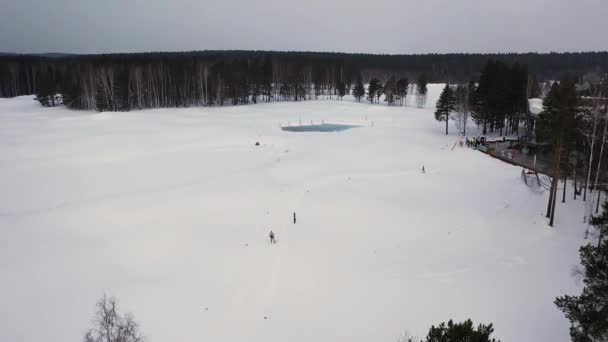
x=445, y=105
x=358, y=90
x=588, y=312
x=110, y=326
x=556, y=125
x=464, y=331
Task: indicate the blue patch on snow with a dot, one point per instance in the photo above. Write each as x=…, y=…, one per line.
x=319, y=128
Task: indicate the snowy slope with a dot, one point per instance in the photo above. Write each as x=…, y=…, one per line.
x=170, y=209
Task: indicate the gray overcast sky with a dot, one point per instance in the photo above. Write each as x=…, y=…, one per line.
x=375, y=26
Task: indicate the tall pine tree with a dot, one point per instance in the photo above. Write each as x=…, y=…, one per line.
x=421, y=90
x=390, y=90
x=401, y=91
x=445, y=105
x=46, y=92
x=556, y=125
x=372, y=89
x=358, y=90
x=341, y=89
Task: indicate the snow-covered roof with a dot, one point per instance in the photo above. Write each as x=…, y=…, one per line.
x=536, y=106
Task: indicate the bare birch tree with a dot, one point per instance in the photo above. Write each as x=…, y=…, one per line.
x=110, y=326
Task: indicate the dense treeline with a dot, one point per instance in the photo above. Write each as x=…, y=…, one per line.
x=148, y=80
x=501, y=97
x=574, y=129
x=124, y=82
x=120, y=83
x=570, y=131
x=557, y=126
x=497, y=101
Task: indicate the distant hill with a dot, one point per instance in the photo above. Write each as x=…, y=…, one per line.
x=46, y=54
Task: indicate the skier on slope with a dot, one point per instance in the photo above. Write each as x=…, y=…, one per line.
x=271, y=235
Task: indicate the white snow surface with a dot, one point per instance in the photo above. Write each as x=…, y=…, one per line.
x=169, y=210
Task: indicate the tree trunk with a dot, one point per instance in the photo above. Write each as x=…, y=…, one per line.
x=575, y=176
x=556, y=179
x=590, y=158
x=564, y=193
x=597, y=207
x=586, y=181
x=599, y=160
x=550, y=203
x=553, y=182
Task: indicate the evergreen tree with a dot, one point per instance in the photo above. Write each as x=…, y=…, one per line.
x=390, y=91
x=501, y=97
x=458, y=332
x=122, y=98
x=421, y=90
x=372, y=89
x=462, y=107
x=421, y=85
x=445, y=105
x=534, y=90
x=46, y=92
x=401, y=90
x=600, y=223
x=285, y=91
x=588, y=312
x=475, y=104
x=341, y=89
x=359, y=90
x=255, y=92
x=300, y=91
x=70, y=94
x=379, y=92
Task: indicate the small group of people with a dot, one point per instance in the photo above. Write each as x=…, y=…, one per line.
x=473, y=142
x=272, y=235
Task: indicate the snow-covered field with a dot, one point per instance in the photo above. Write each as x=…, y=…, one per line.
x=169, y=210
